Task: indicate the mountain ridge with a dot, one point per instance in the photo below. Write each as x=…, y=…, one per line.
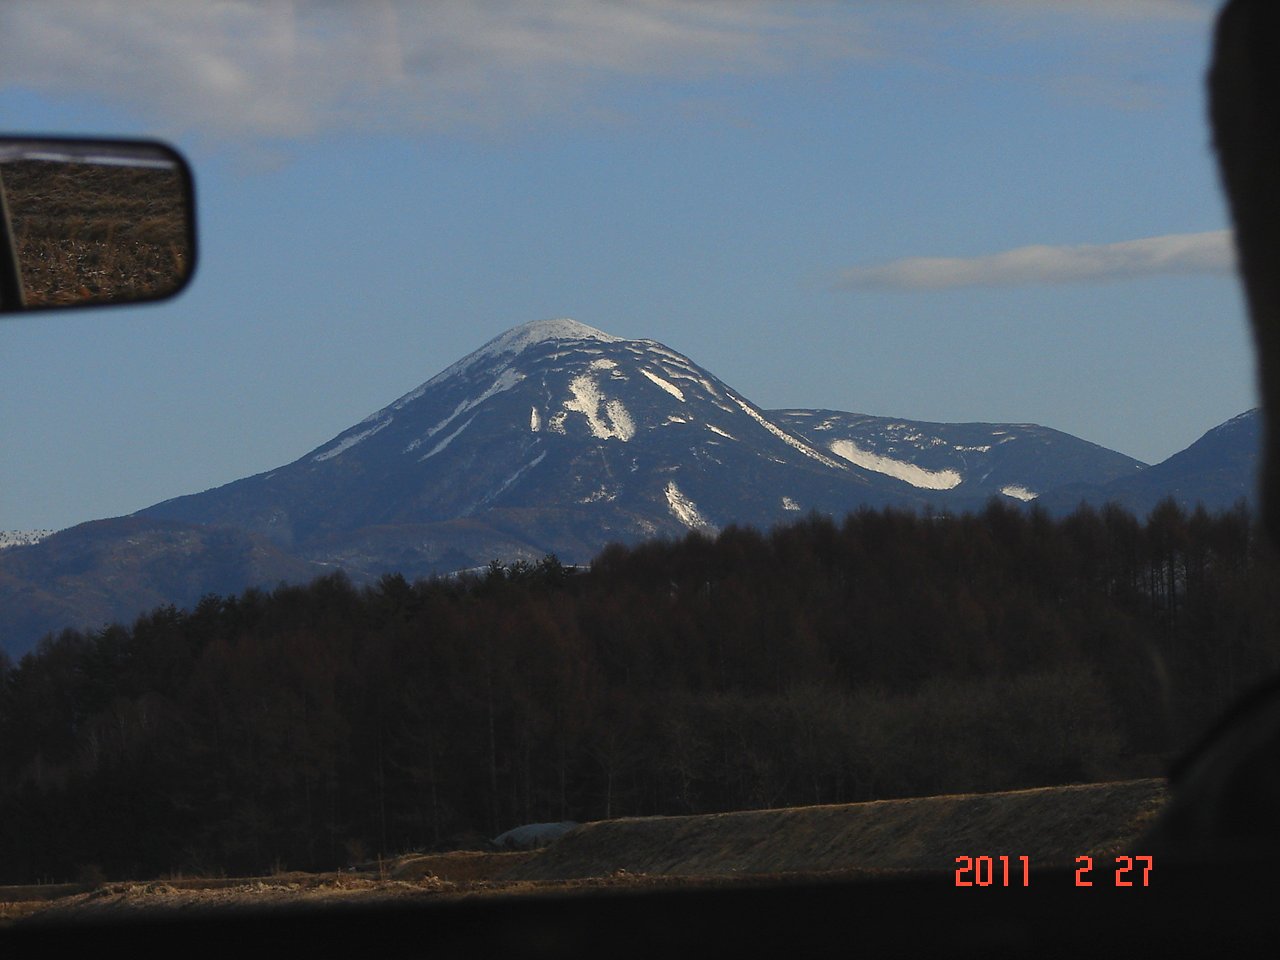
x=552, y=437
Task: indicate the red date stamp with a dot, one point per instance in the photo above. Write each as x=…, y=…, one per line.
x=1006, y=871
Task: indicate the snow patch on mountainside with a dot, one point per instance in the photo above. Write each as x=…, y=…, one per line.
x=714, y=429
x=513, y=342
x=789, y=504
x=685, y=510
x=785, y=437
x=624, y=427
x=1018, y=492
x=505, y=380
x=587, y=400
x=498, y=491
x=916, y=476
x=445, y=442
x=601, y=493
x=671, y=388
x=344, y=445
x=22, y=538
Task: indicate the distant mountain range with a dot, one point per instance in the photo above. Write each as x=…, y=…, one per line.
x=556, y=437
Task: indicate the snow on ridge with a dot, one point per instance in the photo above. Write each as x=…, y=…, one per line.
x=685, y=510
x=22, y=538
x=899, y=469
x=662, y=350
x=587, y=400
x=671, y=388
x=536, y=331
x=785, y=437
x=1018, y=492
x=445, y=442
x=1243, y=417
x=505, y=380
x=512, y=342
x=667, y=358
x=693, y=377
x=342, y=446
x=493, y=494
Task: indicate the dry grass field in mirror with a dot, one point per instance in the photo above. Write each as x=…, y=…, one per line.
x=97, y=233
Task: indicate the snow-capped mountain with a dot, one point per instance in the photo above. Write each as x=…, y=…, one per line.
x=553, y=437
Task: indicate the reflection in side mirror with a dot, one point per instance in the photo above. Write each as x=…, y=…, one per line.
x=92, y=221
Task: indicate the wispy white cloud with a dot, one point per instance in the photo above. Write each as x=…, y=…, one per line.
x=283, y=69
x=293, y=68
x=1177, y=253
x=1149, y=10
x=287, y=68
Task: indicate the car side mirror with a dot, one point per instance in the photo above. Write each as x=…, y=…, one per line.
x=90, y=222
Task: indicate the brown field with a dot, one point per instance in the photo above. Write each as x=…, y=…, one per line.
x=94, y=233
x=1050, y=825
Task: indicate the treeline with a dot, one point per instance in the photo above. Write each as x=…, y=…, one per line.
x=891, y=654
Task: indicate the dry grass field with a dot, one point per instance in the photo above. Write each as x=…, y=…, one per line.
x=1050, y=825
x=95, y=233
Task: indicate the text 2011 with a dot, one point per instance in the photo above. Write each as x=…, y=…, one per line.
x=1006, y=871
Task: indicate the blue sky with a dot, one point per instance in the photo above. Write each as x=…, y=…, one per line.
x=996, y=210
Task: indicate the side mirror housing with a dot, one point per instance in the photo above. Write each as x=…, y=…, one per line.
x=90, y=222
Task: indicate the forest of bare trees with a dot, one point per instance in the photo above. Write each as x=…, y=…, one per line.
x=889, y=654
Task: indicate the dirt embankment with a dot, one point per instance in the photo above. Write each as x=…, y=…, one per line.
x=1050, y=825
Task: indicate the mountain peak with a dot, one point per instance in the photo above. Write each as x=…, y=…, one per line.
x=520, y=338
x=536, y=331
x=513, y=342
x=502, y=348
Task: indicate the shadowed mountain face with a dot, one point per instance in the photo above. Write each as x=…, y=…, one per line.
x=554, y=437
x=1218, y=470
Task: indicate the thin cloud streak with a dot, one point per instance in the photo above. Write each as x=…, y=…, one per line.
x=1191, y=11
x=1176, y=253
x=276, y=69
